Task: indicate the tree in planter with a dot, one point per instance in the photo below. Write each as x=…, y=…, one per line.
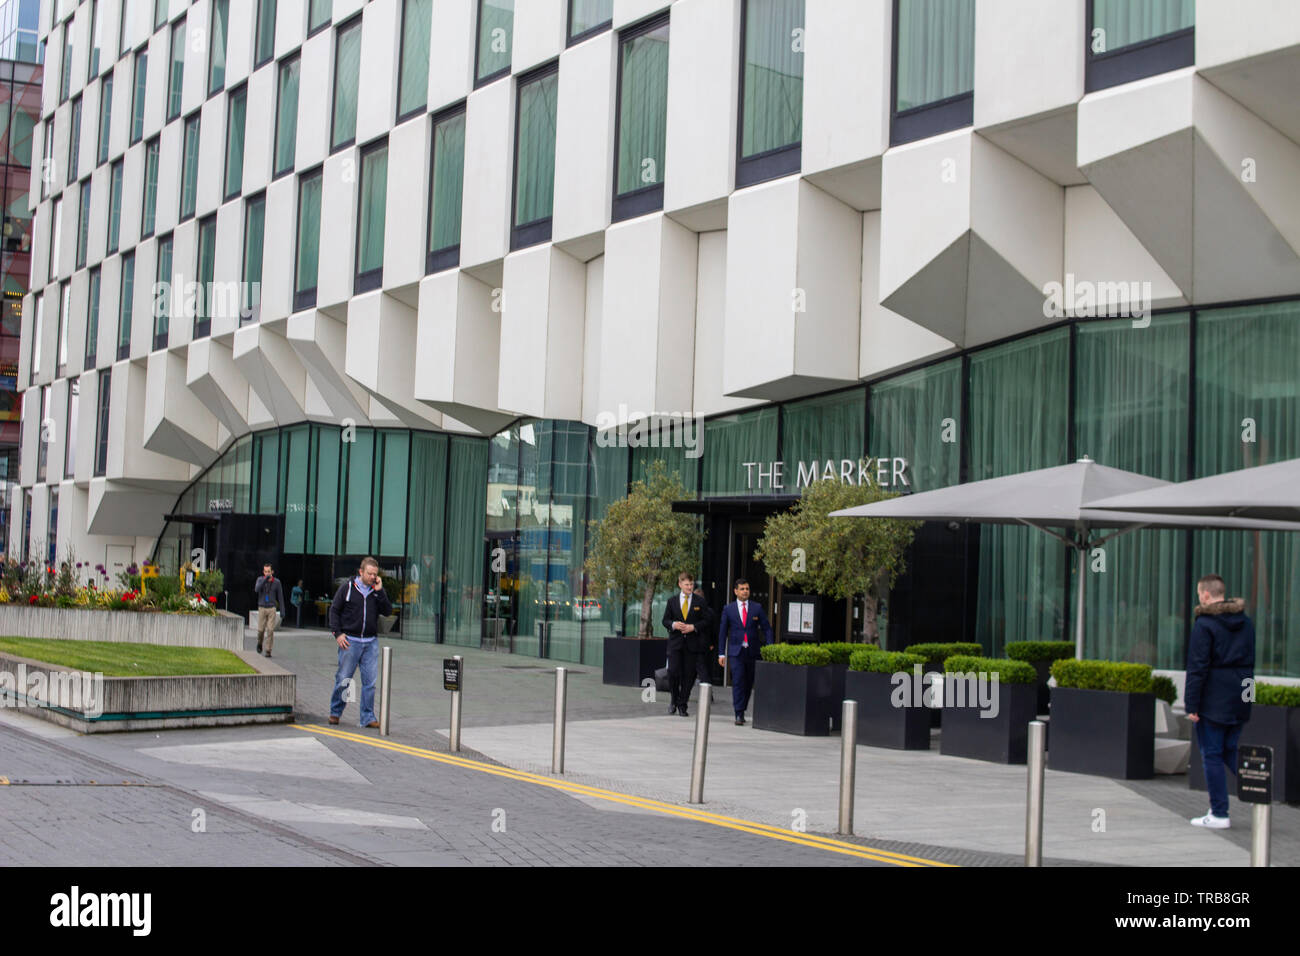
x=838, y=557
x=641, y=544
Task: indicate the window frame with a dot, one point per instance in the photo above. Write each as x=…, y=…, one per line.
x=74, y=138
x=195, y=117
x=573, y=38
x=240, y=91
x=423, y=107
x=201, y=324
x=293, y=59
x=125, y=306
x=94, y=294
x=305, y=298
x=105, y=125
x=772, y=163
x=353, y=22
x=928, y=119
x=153, y=147
x=61, y=342
x=437, y=260
x=324, y=24
x=93, y=62
x=539, y=230
x=160, y=338
x=141, y=59
x=113, y=239
x=1137, y=61
x=225, y=52
x=103, y=409
x=258, y=63
x=83, y=222
x=650, y=198
x=162, y=7
x=69, y=427
x=56, y=237
x=178, y=30
x=250, y=313
x=371, y=279
x=478, y=43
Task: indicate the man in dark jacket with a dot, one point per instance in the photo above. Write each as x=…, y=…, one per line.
x=689, y=624
x=1220, y=674
x=354, y=620
x=270, y=603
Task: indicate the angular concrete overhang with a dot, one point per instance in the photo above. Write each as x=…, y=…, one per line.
x=320, y=343
x=647, y=332
x=457, y=350
x=380, y=356
x=176, y=421
x=128, y=461
x=1253, y=55
x=1205, y=185
x=116, y=508
x=969, y=238
x=212, y=376
x=542, y=326
x=273, y=370
x=794, y=287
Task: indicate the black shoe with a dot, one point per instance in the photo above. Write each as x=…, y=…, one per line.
x=268, y=653
x=672, y=710
x=259, y=648
x=683, y=712
x=740, y=720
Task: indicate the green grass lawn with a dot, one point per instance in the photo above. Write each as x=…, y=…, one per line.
x=114, y=659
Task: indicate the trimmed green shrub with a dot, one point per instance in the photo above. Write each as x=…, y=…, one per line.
x=935, y=654
x=1032, y=651
x=163, y=587
x=876, y=661
x=1008, y=671
x=1165, y=689
x=1277, y=695
x=798, y=655
x=840, y=651
x=1103, y=675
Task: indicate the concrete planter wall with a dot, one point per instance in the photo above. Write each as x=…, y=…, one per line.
x=155, y=703
x=225, y=631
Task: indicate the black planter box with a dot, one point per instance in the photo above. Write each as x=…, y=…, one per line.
x=1000, y=739
x=1103, y=732
x=630, y=660
x=1276, y=727
x=791, y=699
x=835, y=702
x=880, y=723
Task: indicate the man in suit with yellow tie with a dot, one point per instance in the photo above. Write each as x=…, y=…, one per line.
x=689, y=626
x=742, y=631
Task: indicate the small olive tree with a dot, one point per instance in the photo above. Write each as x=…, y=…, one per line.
x=641, y=544
x=838, y=557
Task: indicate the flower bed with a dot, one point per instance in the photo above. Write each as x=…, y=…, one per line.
x=33, y=585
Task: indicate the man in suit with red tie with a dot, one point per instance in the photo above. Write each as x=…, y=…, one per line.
x=690, y=626
x=742, y=631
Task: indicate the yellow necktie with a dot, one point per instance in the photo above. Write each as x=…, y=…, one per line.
x=685, y=604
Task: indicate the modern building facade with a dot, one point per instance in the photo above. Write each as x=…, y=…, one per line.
x=314, y=280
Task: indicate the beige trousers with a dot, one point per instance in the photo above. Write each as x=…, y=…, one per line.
x=266, y=628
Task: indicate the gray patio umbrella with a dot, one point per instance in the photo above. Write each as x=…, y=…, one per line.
x=1057, y=501
x=1270, y=492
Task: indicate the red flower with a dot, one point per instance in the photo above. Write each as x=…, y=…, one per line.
x=32, y=599
x=212, y=599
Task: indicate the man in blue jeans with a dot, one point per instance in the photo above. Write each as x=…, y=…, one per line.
x=1220, y=673
x=354, y=620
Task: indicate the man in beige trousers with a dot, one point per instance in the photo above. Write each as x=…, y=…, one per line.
x=270, y=600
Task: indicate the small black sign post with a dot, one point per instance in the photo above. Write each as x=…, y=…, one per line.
x=1255, y=786
x=453, y=680
x=451, y=674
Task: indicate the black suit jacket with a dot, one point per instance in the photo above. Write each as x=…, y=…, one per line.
x=699, y=640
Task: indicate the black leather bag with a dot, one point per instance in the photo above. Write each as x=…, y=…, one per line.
x=661, y=679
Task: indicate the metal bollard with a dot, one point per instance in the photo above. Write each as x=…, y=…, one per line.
x=561, y=706
x=848, y=764
x=454, y=737
x=703, y=705
x=1261, y=836
x=1034, y=795
x=385, y=688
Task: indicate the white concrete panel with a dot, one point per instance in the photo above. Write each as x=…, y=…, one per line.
x=1100, y=248
x=259, y=129
x=1120, y=118
x=407, y=204
x=541, y=333
x=314, y=73
x=584, y=138
x=710, y=326
x=227, y=295
x=168, y=199
x=194, y=82
x=128, y=460
x=540, y=31
x=290, y=26
x=381, y=29
x=489, y=164
x=185, y=251
x=338, y=228
x=1228, y=30
x=120, y=121
x=1018, y=39
x=321, y=345
x=381, y=355
x=212, y=376
x=273, y=370
x=451, y=72
x=278, y=251
x=97, y=238
x=703, y=76
x=595, y=319
x=239, y=50
x=176, y=422
x=212, y=156
x=155, y=91
x=86, y=425
x=628, y=12
x=846, y=85
x=142, y=308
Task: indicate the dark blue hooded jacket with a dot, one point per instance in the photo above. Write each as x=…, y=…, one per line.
x=1220, y=660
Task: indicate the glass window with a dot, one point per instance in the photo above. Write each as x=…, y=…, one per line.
x=445, y=190
x=323, y=532
x=204, y=271
x=318, y=15
x=38, y=333
x=92, y=320
x=413, y=77
x=137, y=95
x=162, y=293
x=70, y=430
x=772, y=81
x=217, y=45
x=389, y=506
x=496, y=24
x=286, y=117
x=265, y=31
x=65, y=305
x=190, y=168
x=74, y=140
x=105, y=117
x=56, y=237
x=176, y=74
x=65, y=74
x=372, y=205
x=237, y=112
x=535, y=156
x=83, y=224
x=642, y=118
x=47, y=158
x=588, y=16
x=96, y=41
x=254, y=233
x=129, y=11
x=424, y=537
x=1121, y=23
x=101, y=423
x=832, y=427
x=114, y=206
x=347, y=76
x=150, y=204
x=43, y=450
x=126, y=306
x=159, y=13
x=934, y=67
x=358, y=467
x=308, y=253
x=732, y=441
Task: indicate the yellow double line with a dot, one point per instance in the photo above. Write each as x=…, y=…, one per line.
x=642, y=803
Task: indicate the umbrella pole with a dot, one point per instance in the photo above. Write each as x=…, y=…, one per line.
x=1079, y=589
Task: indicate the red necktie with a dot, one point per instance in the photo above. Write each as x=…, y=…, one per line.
x=744, y=637
x=742, y=615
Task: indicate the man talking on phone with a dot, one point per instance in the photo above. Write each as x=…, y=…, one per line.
x=354, y=621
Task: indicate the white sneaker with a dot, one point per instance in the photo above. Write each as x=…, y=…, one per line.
x=1213, y=822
